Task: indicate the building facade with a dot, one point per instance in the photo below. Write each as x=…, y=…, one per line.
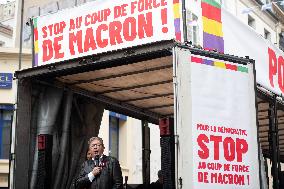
x=7, y=11
x=265, y=21
x=9, y=63
x=6, y=36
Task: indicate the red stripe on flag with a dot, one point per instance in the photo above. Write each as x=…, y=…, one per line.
x=196, y=59
x=211, y=12
x=175, y=1
x=35, y=34
x=231, y=67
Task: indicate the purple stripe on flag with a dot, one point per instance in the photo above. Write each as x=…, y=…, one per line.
x=36, y=60
x=177, y=25
x=213, y=42
x=208, y=62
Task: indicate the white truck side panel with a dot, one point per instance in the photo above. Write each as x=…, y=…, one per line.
x=216, y=123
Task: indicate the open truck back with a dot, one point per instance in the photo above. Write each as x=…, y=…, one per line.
x=151, y=83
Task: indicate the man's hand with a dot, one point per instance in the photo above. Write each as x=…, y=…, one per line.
x=96, y=171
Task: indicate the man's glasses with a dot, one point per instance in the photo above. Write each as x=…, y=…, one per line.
x=96, y=145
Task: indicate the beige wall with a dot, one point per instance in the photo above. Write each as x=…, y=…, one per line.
x=104, y=131
x=123, y=150
x=4, y=170
x=130, y=143
x=9, y=63
x=130, y=148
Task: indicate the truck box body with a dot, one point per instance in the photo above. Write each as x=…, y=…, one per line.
x=117, y=81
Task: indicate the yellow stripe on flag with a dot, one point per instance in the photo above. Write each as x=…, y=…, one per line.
x=176, y=10
x=36, y=46
x=220, y=65
x=212, y=27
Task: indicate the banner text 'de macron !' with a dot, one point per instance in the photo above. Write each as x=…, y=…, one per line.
x=102, y=26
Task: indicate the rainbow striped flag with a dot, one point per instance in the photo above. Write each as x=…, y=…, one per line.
x=212, y=25
x=36, y=48
x=218, y=64
x=177, y=18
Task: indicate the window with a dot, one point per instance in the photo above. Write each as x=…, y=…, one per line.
x=251, y=21
x=195, y=30
x=116, y=128
x=5, y=127
x=113, y=136
x=265, y=1
x=192, y=28
x=281, y=41
x=267, y=35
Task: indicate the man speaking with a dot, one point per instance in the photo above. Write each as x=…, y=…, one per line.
x=100, y=172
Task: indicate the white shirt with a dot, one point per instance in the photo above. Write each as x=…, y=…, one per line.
x=91, y=175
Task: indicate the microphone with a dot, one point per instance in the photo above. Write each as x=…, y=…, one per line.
x=102, y=162
x=97, y=161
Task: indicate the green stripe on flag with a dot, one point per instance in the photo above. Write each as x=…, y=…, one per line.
x=214, y=3
x=243, y=69
x=35, y=22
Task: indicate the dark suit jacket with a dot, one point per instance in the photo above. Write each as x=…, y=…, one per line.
x=156, y=185
x=110, y=177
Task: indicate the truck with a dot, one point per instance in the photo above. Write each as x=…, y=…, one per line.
x=112, y=56
x=190, y=130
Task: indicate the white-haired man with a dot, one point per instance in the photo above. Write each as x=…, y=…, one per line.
x=101, y=172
